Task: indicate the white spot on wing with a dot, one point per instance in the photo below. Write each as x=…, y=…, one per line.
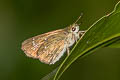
x=45, y=47
x=35, y=46
x=45, y=39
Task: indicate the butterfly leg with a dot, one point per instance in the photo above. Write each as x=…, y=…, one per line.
x=76, y=38
x=81, y=33
x=68, y=51
x=67, y=47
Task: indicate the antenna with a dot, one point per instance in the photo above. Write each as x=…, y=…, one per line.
x=78, y=18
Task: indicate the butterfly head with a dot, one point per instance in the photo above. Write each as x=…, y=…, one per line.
x=74, y=28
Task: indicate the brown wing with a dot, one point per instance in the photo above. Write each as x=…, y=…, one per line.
x=32, y=45
x=51, y=48
x=52, y=53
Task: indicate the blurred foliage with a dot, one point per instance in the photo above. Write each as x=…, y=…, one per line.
x=21, y=19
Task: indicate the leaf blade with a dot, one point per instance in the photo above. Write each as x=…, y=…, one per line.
x=102, y=31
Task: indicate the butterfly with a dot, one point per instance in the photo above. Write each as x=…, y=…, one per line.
x=50, y=46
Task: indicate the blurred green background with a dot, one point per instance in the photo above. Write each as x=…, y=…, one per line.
x=22, y=19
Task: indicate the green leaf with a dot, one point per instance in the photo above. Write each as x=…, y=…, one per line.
x=104, y=32
x=115, y=45
x=50, y=75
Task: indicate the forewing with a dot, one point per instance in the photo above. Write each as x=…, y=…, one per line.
x=50, y=51
x=32, y=45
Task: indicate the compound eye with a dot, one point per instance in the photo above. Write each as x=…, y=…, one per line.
x=73, y=29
